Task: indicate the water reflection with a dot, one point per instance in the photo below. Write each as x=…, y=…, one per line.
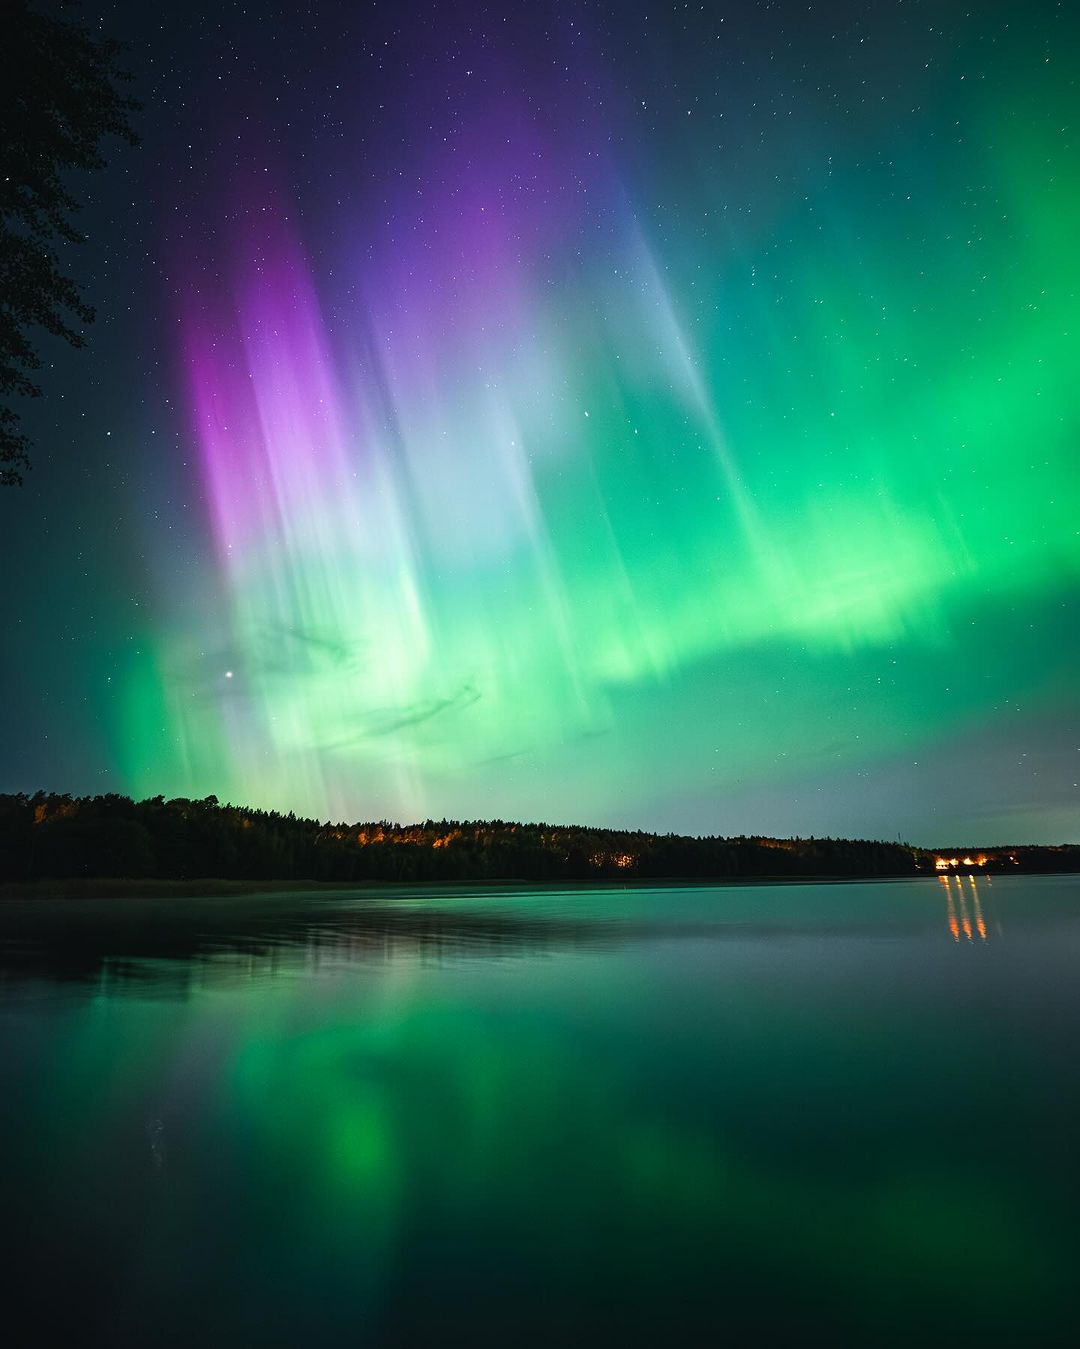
x=971, y=921
x=681, y=1116
x=980, y=924
x=954, y=926
x=169, y=947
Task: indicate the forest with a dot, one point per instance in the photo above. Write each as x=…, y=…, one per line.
x=46, y=836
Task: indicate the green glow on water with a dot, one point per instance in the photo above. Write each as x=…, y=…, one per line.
x=813, y=1103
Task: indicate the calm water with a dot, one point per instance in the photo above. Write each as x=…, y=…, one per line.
x=650, y=1116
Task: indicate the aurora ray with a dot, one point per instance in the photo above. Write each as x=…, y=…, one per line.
x=668, y=460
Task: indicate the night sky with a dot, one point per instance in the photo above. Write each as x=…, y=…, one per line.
x=664, y=416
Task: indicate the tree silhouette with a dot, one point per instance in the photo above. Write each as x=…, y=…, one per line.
x=60, y=97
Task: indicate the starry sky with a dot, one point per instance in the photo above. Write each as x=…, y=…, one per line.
x=661, y=416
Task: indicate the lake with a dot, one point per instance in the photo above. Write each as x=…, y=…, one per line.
x=669, y=1115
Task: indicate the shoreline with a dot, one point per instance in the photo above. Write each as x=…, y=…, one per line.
x=222, y=888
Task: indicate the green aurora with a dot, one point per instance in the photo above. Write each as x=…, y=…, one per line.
x=720, y=472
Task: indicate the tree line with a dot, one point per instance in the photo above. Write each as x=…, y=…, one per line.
x=46, y=835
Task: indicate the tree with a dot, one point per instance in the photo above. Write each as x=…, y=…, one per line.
x=60, y=98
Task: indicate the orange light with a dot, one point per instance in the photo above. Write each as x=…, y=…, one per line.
x=979, y=921
x=954, y=926
x=965, y=921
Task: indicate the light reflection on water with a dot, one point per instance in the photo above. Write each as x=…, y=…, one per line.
x=965, y=911
x=113, y=943
x=545, y=1116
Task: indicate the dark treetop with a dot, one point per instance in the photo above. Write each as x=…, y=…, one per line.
x=50, y=836
x=59, y=100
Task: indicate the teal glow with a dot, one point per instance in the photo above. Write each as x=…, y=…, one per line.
x=707, y=461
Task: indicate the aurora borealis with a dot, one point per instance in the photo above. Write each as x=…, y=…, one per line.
x=638, y=418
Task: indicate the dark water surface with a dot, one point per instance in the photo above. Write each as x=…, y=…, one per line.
x=826, y=1113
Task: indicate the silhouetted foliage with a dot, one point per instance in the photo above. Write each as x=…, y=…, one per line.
x=59, y=99
x=61, y=836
